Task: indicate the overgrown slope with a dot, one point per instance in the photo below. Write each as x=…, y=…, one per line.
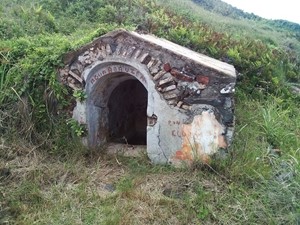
x=225, y=18
x=42, y=166
x=225, y=9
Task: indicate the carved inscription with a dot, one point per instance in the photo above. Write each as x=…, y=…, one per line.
x=176, y=132
x=117, y=68
x=173, y=122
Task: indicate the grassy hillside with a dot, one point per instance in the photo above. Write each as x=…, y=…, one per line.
x=225, y=9
x=47, y=177
x=225, y=18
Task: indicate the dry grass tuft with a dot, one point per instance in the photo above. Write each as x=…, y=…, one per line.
x=94, y=188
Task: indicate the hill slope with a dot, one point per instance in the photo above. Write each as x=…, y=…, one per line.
x=47, y=177
x=225, y=9
x=225, y=18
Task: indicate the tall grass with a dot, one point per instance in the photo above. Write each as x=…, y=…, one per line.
x=47, y=177
x=252, y=185
x=237, y=28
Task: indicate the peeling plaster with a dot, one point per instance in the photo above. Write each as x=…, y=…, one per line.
x=190, y=96
x=201, y=139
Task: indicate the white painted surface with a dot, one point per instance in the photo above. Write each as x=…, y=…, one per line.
x=79, y=112
x=204, y=60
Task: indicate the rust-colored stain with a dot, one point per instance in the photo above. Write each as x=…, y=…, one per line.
x=203, y=79
x=203, y=137
x=181, y=76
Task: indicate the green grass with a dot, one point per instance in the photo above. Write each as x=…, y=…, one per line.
x=178, y=197
x=237, y=28
x=253, y=185
x=47, y=177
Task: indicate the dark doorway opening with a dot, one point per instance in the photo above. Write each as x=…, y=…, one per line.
x=128, y=113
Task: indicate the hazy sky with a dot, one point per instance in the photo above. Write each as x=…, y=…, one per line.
x=270, y=9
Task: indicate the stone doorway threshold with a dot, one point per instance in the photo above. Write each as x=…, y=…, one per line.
x=126, y=149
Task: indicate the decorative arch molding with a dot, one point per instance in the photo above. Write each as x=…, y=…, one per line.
x=102, y=78
x=183, y=88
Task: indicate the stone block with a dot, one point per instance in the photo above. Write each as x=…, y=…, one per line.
x=169, y=88
x=118, y=50
x=108, y=49
x=155, y=68
x=151, y=63
x=74, y=75
x=77, y=66
x=166, y=81
x=202, y=86
x=124, y=51
x=179, y=104
x=228, y=89
x=186, y=107
x=137, y=52
x=143, y=56
x=202, y=79
x=73, y=86
x=146, y=58
x=181, y=76
x=159, y=75
x=167, y=67
x=130, y=51
x=168, y=96
x=172, y=102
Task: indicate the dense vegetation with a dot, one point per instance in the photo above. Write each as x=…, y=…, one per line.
x=225, y=9
x=48, y=178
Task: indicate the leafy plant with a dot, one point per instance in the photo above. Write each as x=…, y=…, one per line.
x=80, y=95
x=76, y=127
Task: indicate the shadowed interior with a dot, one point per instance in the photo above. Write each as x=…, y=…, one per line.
x=128, y=113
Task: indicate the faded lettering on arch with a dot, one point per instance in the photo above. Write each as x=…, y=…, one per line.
x=118, y=68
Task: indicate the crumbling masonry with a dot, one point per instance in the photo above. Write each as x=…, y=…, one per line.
x=145, y=90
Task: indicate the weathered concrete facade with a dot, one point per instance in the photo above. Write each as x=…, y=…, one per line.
x=146, y=90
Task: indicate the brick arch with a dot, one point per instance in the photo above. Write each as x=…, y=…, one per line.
x=162, y=74
x=102, y=79
x=184, y=89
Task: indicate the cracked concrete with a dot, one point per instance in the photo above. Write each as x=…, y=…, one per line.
x=189, y=101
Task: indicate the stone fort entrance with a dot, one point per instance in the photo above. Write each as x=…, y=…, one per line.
x=143, y=90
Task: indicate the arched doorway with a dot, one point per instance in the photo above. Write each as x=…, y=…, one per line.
x=117, y=104
x=180, y=85
x=127, y=118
